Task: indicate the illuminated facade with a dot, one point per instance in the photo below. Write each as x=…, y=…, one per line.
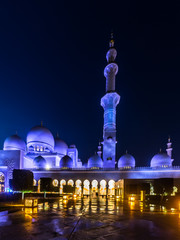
x=51, y=157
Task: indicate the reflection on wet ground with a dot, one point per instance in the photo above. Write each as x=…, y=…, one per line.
x=91, y=219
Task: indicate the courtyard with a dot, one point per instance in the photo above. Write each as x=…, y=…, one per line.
x=96, y=218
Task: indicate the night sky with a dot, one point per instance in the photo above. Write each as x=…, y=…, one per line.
x=52, y=58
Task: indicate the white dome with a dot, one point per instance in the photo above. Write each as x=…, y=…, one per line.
x=14, y=142
x=127, y=160
x=60, y=146
x=41, y=136
x=95, y=161
x=161, y=160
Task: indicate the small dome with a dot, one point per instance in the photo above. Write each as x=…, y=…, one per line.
x=111, y=55
x=95, y=161
x=60, y=146
x=161, y=160
x=72, y=146
x=127, y=160
x=66, y=162
x=39, y=162
x=41, y=136
x=14, y=142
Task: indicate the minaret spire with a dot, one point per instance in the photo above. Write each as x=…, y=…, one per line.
x=111, y=43
x=111, y=69
x=109, y=103
x=169, y=148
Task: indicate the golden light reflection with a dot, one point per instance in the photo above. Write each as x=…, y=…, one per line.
x=141, y=206
x=132, y=205
x=30, y=211
x=55, y=205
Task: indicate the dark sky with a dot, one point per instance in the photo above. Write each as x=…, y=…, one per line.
x=52, y=57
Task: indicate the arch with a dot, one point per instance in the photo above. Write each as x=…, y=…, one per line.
x=70, y=182
x=94, y=188
x=55, y=183
x=31, y=148
x=62, y=182
x=78, y=188
x=34, y=182
x=111, y=185
x=103, y=184
x=46, y=149
x=2, y=182
x=86, y=184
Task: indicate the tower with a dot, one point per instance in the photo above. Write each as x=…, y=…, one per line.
x=109, y=103
x=169, y=149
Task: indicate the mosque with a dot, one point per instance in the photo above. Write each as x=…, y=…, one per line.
x=47, y=156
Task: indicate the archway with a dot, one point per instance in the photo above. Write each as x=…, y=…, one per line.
x=55, y=183
x=103, y=187
x=62, y=182
x=2, y=182
x=71, y=183
x=94, y=188
x=34, y=182
x=111, y=190
x=86, y=187
x=78, y=187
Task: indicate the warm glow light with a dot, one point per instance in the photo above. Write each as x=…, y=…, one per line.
x=47, y=167
x=28, y=210
x=142, y=196
x=131, y=199
x=55, y=183
x=28, y=203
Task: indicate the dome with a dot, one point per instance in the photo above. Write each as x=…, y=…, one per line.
x=40, y=136
x=60, y=146
x=72, y=146
x=161, y=160
x=126, y=161
x=39, y=162
x=95, y=161
x=66, y=162
x=14, y=142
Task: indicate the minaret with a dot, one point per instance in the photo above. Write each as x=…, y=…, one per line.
x=109, y=103
x=99, y=152
x=169, y=149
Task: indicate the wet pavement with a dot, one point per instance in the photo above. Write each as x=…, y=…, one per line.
x=95, y=219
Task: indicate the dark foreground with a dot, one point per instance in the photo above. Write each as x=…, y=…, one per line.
x=91, y=220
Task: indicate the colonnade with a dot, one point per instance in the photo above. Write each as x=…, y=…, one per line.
x=87, y=187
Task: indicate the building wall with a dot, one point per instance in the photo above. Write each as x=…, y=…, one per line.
x=108, y=175
x=11, y=159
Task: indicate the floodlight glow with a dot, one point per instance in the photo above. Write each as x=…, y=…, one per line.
x=47, y=167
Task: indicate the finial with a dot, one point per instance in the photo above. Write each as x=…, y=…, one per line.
x=57, y=134
x=111, y=43
x=169, y=139
x=126, y=151
x=160, y=150
x=41, y=123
